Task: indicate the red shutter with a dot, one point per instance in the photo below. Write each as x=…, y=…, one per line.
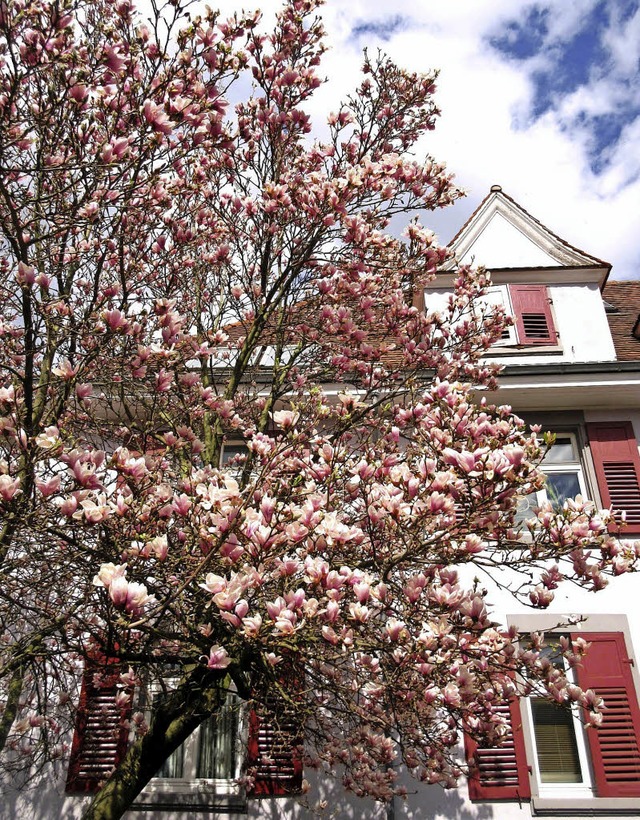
x=534, y=323
x=615, y=753
x=274, y=754
x=100, y=737
x=615, y=455
x=500, y=772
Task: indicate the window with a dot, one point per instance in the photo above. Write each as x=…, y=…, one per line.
x=558, y=738
x=233, y=453
x=498, y=296
x=549, y=757
x=530, y=307
x=205, y=770
x=211, y=758
x=564, y=477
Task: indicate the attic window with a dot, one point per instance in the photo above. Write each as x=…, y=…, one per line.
x=529, y=305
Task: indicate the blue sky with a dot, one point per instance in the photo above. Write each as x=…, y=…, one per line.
x=539, y=96
x=572, y=61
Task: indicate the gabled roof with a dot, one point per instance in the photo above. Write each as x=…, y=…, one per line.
x=624, y=318
x=501, y=235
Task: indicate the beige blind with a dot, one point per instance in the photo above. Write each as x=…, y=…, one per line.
x=556, y=746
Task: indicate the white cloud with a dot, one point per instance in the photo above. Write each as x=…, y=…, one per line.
x=624, y=42
x=487, y=133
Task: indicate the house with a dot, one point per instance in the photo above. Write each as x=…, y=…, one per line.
x=571, y=364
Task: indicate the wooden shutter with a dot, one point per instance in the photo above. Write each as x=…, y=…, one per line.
x=275, y=749
x=615, y=456
x=500, y=772
x=100, y=737
x=615, y=753
x=534, y=323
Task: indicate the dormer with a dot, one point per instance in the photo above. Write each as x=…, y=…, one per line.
x=550, y=288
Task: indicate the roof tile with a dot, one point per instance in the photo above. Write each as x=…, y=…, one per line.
x=624, y=297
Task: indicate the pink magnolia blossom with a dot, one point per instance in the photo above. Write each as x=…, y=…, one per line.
x=157, y=117
x=218, y=658
x=285, y=418
x=48, y=487
x=26, y=274
x=9, y=487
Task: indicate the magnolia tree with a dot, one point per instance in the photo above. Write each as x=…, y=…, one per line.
x=184, y=266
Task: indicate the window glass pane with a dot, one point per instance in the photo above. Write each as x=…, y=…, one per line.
x=173, y=766
x=556, y=747
x=527, y=507
x=219, y=745
x=232, y=451
x=497, y=297
x=561, y=486
x=561, y=452
x=553, y=653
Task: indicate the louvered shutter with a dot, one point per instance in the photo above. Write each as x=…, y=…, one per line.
x=275, y=749
x=501, y=772
x=614, y=746
x=100, y=737
x=534, y=323
x=615, y=456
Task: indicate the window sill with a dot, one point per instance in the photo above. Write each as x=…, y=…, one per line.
x=193, y=795
x=585, y=806
x=525, y=350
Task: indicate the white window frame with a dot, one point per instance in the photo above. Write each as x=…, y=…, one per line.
x=573, y=466
x=498, y=296
x=583, y=789
x=437, y=301
x=189, y=790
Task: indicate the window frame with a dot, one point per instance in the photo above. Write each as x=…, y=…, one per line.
x=576, y=466
x=499, y=296
x=515, y=340
x=188, y=791
x=514, y=336
x=574, y=803
x=585, y=788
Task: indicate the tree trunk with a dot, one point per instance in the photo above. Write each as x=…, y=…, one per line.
x=14, y=690
x=174, y=718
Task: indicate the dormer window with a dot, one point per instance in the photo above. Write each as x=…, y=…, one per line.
x=528, y=305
